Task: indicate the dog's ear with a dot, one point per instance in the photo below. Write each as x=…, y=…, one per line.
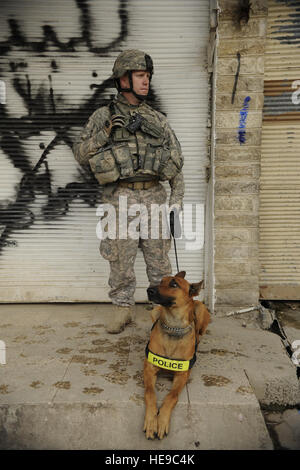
x=181, y=274
x=195, y=288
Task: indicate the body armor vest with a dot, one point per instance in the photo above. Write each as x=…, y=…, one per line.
x=137, y=148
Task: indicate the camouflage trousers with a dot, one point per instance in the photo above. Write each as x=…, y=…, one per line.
x=121, y=252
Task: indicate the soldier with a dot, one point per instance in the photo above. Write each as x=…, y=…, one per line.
x=131, y=148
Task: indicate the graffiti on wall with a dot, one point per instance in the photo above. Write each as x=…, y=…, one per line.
x=289, y=28
x=42, y=115
x=243, y=119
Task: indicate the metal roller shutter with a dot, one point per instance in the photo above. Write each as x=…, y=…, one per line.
x=56, y=57
x=280, y=169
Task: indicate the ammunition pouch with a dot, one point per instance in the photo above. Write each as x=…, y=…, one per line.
x=153, y=157
x=103, y=165
x=154, y=147
x=121, y=135
x=123, y=159
x=112, y=163
x=159, y=159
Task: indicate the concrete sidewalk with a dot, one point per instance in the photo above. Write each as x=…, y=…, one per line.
x=67, y=384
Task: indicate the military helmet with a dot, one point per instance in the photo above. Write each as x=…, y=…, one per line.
x=129, y=60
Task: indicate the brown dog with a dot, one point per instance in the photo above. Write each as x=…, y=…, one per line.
x=178, y=322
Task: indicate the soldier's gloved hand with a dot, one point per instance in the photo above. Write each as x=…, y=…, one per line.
x=116, y=121
x=175, y=226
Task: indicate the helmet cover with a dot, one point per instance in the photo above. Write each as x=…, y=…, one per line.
x=132, y=59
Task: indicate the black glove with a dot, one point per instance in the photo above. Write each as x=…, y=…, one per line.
x=175, y=226
x=118, y=120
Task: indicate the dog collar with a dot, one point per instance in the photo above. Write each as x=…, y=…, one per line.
x=174, y=331
x=163, y=362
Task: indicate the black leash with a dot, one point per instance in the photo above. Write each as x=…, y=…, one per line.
x=176, y=255
x=172, y=229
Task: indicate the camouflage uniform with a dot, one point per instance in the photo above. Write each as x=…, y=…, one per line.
x=146, y=148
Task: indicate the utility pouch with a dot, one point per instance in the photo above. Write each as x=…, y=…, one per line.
x=171, y=164
x=104, y=167
x=152, y=158
x=121, y=134
x=123, y=159
x=154, y=142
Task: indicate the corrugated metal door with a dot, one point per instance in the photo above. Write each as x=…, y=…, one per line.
x=56, y=57
x=280, y=163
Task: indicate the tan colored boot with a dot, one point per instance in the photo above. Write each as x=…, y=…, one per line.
x=120, y=317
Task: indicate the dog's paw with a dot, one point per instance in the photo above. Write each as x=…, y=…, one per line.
x=150, y=426
x=163, y=423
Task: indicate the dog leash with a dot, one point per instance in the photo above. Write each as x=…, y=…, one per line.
x=173, y=235
x=176, y=255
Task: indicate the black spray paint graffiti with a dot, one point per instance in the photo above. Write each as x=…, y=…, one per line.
x=290, y=28
x=42, y=115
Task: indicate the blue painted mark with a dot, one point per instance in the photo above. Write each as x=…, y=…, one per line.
x=243, y=118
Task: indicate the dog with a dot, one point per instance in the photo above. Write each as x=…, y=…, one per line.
x=178, y=322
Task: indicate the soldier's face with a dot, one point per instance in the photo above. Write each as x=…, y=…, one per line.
x=140, y=81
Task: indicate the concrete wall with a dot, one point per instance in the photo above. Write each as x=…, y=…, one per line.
x=236, y=165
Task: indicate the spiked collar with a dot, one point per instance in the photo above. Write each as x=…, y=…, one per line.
x=175, y=331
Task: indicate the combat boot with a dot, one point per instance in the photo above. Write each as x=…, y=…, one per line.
x=120, y=317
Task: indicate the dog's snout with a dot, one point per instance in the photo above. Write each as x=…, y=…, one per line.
x=153, y=293
x=151, y=290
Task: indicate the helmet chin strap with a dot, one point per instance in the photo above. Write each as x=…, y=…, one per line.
x=131, y=90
